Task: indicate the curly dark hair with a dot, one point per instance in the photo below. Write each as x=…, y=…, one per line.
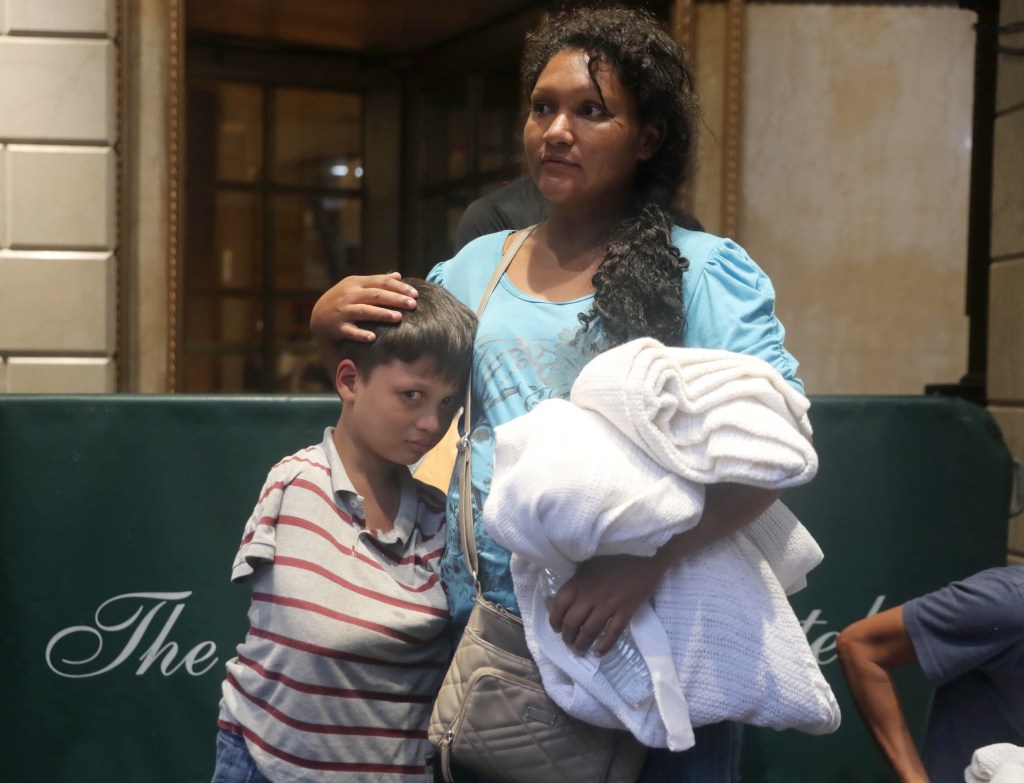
x=638, y=287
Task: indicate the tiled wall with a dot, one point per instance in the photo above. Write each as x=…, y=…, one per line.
x=58, y=195
x=1006, y=315
x=854, y=183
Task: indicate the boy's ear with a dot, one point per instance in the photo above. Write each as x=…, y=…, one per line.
x=345, y=379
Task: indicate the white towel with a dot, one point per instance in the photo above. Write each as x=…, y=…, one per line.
x=1002, y=762
x=736, y=651
x=567, y=486
x=1009, y=772
x=722, y=642
x=789, y=548
x=707, y=415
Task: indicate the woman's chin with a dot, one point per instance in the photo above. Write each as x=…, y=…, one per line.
x=556, y=192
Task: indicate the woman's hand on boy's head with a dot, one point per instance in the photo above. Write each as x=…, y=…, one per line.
x=356, y=298
x=603, y=595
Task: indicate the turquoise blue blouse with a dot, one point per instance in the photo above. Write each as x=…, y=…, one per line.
x=528, y=350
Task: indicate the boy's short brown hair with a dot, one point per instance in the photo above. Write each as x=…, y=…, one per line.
x=440, y=327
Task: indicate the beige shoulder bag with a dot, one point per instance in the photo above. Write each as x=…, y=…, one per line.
x=492, y=714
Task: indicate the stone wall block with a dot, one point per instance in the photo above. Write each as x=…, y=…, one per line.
x=1006, y=333
x=1010, y=81
x=30, y=375
x=61, y=198
x=65, y=17
x=57, y=303
x=57, y=89
x=1008, y=186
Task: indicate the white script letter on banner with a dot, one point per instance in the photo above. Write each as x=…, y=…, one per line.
x=134, y=613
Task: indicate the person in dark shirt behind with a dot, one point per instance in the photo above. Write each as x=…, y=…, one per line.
x=968, y=639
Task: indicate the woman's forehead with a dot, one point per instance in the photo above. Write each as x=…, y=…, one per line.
x=578, y=69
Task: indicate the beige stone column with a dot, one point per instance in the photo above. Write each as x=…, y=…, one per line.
x=154, y=67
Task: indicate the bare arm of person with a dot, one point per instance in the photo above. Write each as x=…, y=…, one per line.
x=868, y=650
x=337, y=313
x=605, y=592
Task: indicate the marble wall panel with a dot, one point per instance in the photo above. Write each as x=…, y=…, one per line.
x=40, y=375
x=62, y=197
x=1008, y=186
x=57, y=89
x=1006, y=332
x=855, y=183
x=57, y=303
x=95, y=17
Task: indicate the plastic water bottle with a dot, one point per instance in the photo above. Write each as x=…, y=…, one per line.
x=623, y=665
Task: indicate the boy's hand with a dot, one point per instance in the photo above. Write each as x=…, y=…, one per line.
x=603, y=594
x=360, y=298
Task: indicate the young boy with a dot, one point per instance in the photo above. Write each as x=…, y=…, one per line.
x=347, y=646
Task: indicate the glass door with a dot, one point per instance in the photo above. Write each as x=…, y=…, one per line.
x=274, y=214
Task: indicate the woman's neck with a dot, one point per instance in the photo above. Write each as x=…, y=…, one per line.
x=578, y=233
x=559, y=260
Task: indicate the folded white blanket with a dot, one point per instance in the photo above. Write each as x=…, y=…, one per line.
x=725, y=645
x=786, y=545
x=722, y=641
x=572, y=486
x=1002, y=762
x=568, y=485
x=706, y=415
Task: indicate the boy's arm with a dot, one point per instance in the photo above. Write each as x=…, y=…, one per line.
x=868, y=650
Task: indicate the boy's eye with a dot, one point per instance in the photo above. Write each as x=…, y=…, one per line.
x=412, y=394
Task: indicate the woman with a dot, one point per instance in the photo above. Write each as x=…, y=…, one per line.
x=608, y=140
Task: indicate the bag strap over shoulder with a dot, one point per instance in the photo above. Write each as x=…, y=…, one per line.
x=466, y=535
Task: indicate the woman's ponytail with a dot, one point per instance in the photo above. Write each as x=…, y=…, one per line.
x=639, y=286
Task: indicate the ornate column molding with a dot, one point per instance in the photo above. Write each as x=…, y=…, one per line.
x=732, y=117
x=122, y=193
x=174, y=163
x=681, y=25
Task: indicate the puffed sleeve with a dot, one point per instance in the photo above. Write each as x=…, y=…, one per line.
x=436, y=275
x=730, y=305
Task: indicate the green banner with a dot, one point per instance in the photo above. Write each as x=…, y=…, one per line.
x=120, y=516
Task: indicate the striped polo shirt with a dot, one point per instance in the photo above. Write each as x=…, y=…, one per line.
x=348, y=641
